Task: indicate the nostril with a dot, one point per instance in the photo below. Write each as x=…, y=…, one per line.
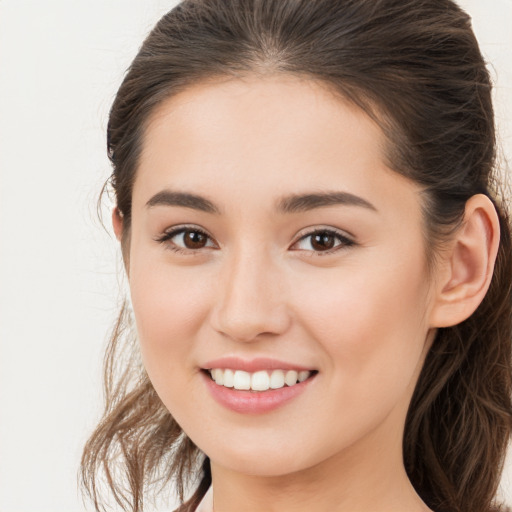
x=247, y=311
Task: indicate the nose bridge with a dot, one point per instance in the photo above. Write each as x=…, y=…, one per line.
x=252, y=298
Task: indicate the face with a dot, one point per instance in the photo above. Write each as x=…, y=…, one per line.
x=271, y=244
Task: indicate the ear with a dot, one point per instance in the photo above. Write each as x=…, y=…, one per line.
x=117, y=222
x=467, y=268
x=118, y=225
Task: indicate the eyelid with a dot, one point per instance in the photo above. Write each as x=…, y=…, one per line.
x=347, y=240
x=171, y=232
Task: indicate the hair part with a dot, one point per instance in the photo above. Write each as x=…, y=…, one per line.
x=416, y=69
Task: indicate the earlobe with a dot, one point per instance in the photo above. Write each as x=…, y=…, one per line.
x=124, y=238
x=468, y=265
x=117, y=223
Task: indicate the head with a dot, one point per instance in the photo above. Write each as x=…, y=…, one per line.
x=404, y=89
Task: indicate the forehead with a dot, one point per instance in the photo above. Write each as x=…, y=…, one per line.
x=261, y=135
x=298, y=97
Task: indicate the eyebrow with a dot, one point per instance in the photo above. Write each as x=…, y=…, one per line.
x=184, y=199
x=304, y=202
x=294, y=203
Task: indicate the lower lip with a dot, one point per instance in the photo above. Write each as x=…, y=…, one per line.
x=254, y=402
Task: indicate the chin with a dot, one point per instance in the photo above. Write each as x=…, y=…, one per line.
x=262, y=460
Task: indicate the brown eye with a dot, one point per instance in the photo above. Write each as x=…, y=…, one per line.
x=186, y=239
x=194, y=239
x=323, y=241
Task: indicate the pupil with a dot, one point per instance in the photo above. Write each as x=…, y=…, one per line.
x=194, y=240
x=323, y=241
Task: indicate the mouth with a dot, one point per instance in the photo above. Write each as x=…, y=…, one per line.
x=259, y=381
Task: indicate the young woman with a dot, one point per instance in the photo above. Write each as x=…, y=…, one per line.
x=319, y=263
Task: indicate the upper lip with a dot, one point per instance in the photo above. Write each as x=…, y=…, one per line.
x=253, y=365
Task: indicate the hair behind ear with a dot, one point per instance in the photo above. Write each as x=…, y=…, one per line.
x=460, y=417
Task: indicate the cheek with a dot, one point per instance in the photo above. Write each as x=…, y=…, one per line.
x=371, y=322
x=169, y=306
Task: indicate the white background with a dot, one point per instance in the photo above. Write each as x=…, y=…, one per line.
x=61, y=62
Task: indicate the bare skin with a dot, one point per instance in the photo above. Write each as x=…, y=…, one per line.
x=340, y=288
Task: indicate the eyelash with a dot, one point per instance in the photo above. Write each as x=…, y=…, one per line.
x=343, y=241
x=169, y=235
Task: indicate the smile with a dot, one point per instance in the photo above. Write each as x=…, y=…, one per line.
x=247, y=392
x=262, y=380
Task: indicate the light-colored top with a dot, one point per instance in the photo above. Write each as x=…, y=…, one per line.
x=206, y=504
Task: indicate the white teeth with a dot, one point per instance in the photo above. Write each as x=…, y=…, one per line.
x=258, y=381
x=229, y=378
x=277, y=379
x=218, y=376
x=242, y=380
x=303, y=375
x=291, y=377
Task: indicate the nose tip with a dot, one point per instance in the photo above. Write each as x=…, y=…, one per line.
x=246, y=324
x=246, y=327
x=251, y=304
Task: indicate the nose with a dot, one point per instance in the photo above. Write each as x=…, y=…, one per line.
x=251, y=299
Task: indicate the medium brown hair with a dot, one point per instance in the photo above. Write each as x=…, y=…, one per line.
x=416, y=68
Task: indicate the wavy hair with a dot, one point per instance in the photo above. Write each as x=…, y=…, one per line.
x=415, y=67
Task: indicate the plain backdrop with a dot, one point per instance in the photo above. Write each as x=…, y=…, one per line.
x=61, y=62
